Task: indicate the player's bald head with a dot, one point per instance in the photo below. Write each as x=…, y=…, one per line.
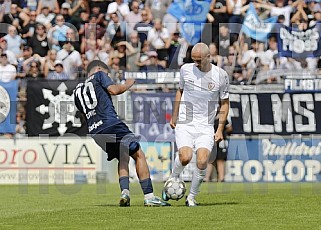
x=200, y=50
x=201, y=57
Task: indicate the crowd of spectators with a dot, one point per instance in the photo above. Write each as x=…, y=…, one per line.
x=138, y=35
x=56, y=39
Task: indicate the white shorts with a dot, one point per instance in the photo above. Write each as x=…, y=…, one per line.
x=194, y=137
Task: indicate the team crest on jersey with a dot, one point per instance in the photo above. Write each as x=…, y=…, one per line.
x=211, y=85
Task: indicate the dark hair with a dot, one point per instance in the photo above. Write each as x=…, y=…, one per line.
x=281, y=17
x=93, y=16
x=38, y=25
x=37, y=62
x=26, y=48
x=96, y=63
x=253, y=41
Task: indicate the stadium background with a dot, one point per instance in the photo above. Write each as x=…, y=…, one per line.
x=275, y=99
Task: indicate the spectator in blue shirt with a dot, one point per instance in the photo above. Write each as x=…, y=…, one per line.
x=59, y=73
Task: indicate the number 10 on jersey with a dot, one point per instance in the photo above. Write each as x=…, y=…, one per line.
x=87, y=97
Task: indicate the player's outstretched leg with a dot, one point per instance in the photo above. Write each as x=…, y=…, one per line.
x=124, y=197
x=146, y=183
x=181, y=160
x=123, y=172
x=198, y=176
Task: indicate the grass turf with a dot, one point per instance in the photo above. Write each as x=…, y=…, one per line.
x=223, y=206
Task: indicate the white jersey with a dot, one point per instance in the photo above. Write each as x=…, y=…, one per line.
x=201, y=94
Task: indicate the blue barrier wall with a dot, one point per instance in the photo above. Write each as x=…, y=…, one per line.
x=274, y=159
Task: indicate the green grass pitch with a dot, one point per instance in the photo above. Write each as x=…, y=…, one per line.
x=223, y=206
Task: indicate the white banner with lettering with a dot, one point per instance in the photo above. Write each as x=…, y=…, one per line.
x=49, y=160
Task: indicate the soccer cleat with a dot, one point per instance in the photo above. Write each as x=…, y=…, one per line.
x=164, y=196
x=124, y=200
x=191, y=202
x=155, y=201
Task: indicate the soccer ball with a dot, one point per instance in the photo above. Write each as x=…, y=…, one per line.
x=175, y=188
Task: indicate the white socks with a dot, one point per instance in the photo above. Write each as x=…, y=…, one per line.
x=125, y=191
x=198, y=176
x=149, y=196
x=178, y=167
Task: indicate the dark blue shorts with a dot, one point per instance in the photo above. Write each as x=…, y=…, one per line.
x=117, y=140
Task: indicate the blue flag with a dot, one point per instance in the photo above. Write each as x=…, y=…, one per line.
x=191, y=14
x=299, y=44
x=8, y=106
x=254, y=27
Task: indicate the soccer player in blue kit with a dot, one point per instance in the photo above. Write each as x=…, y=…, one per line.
x=93, y=98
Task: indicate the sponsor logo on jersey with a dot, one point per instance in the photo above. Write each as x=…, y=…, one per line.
x=95, y=125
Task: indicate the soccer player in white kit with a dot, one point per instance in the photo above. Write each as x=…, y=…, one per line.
x=202, y=88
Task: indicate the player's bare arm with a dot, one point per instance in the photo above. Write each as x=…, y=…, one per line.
x=225, y=106
x=176, y=108
x=121, y=88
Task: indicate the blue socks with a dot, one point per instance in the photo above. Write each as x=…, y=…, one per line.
x=147, y=186
x=124, y=183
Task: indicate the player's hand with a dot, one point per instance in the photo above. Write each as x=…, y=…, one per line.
x=218, y=137
x=172, y=123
